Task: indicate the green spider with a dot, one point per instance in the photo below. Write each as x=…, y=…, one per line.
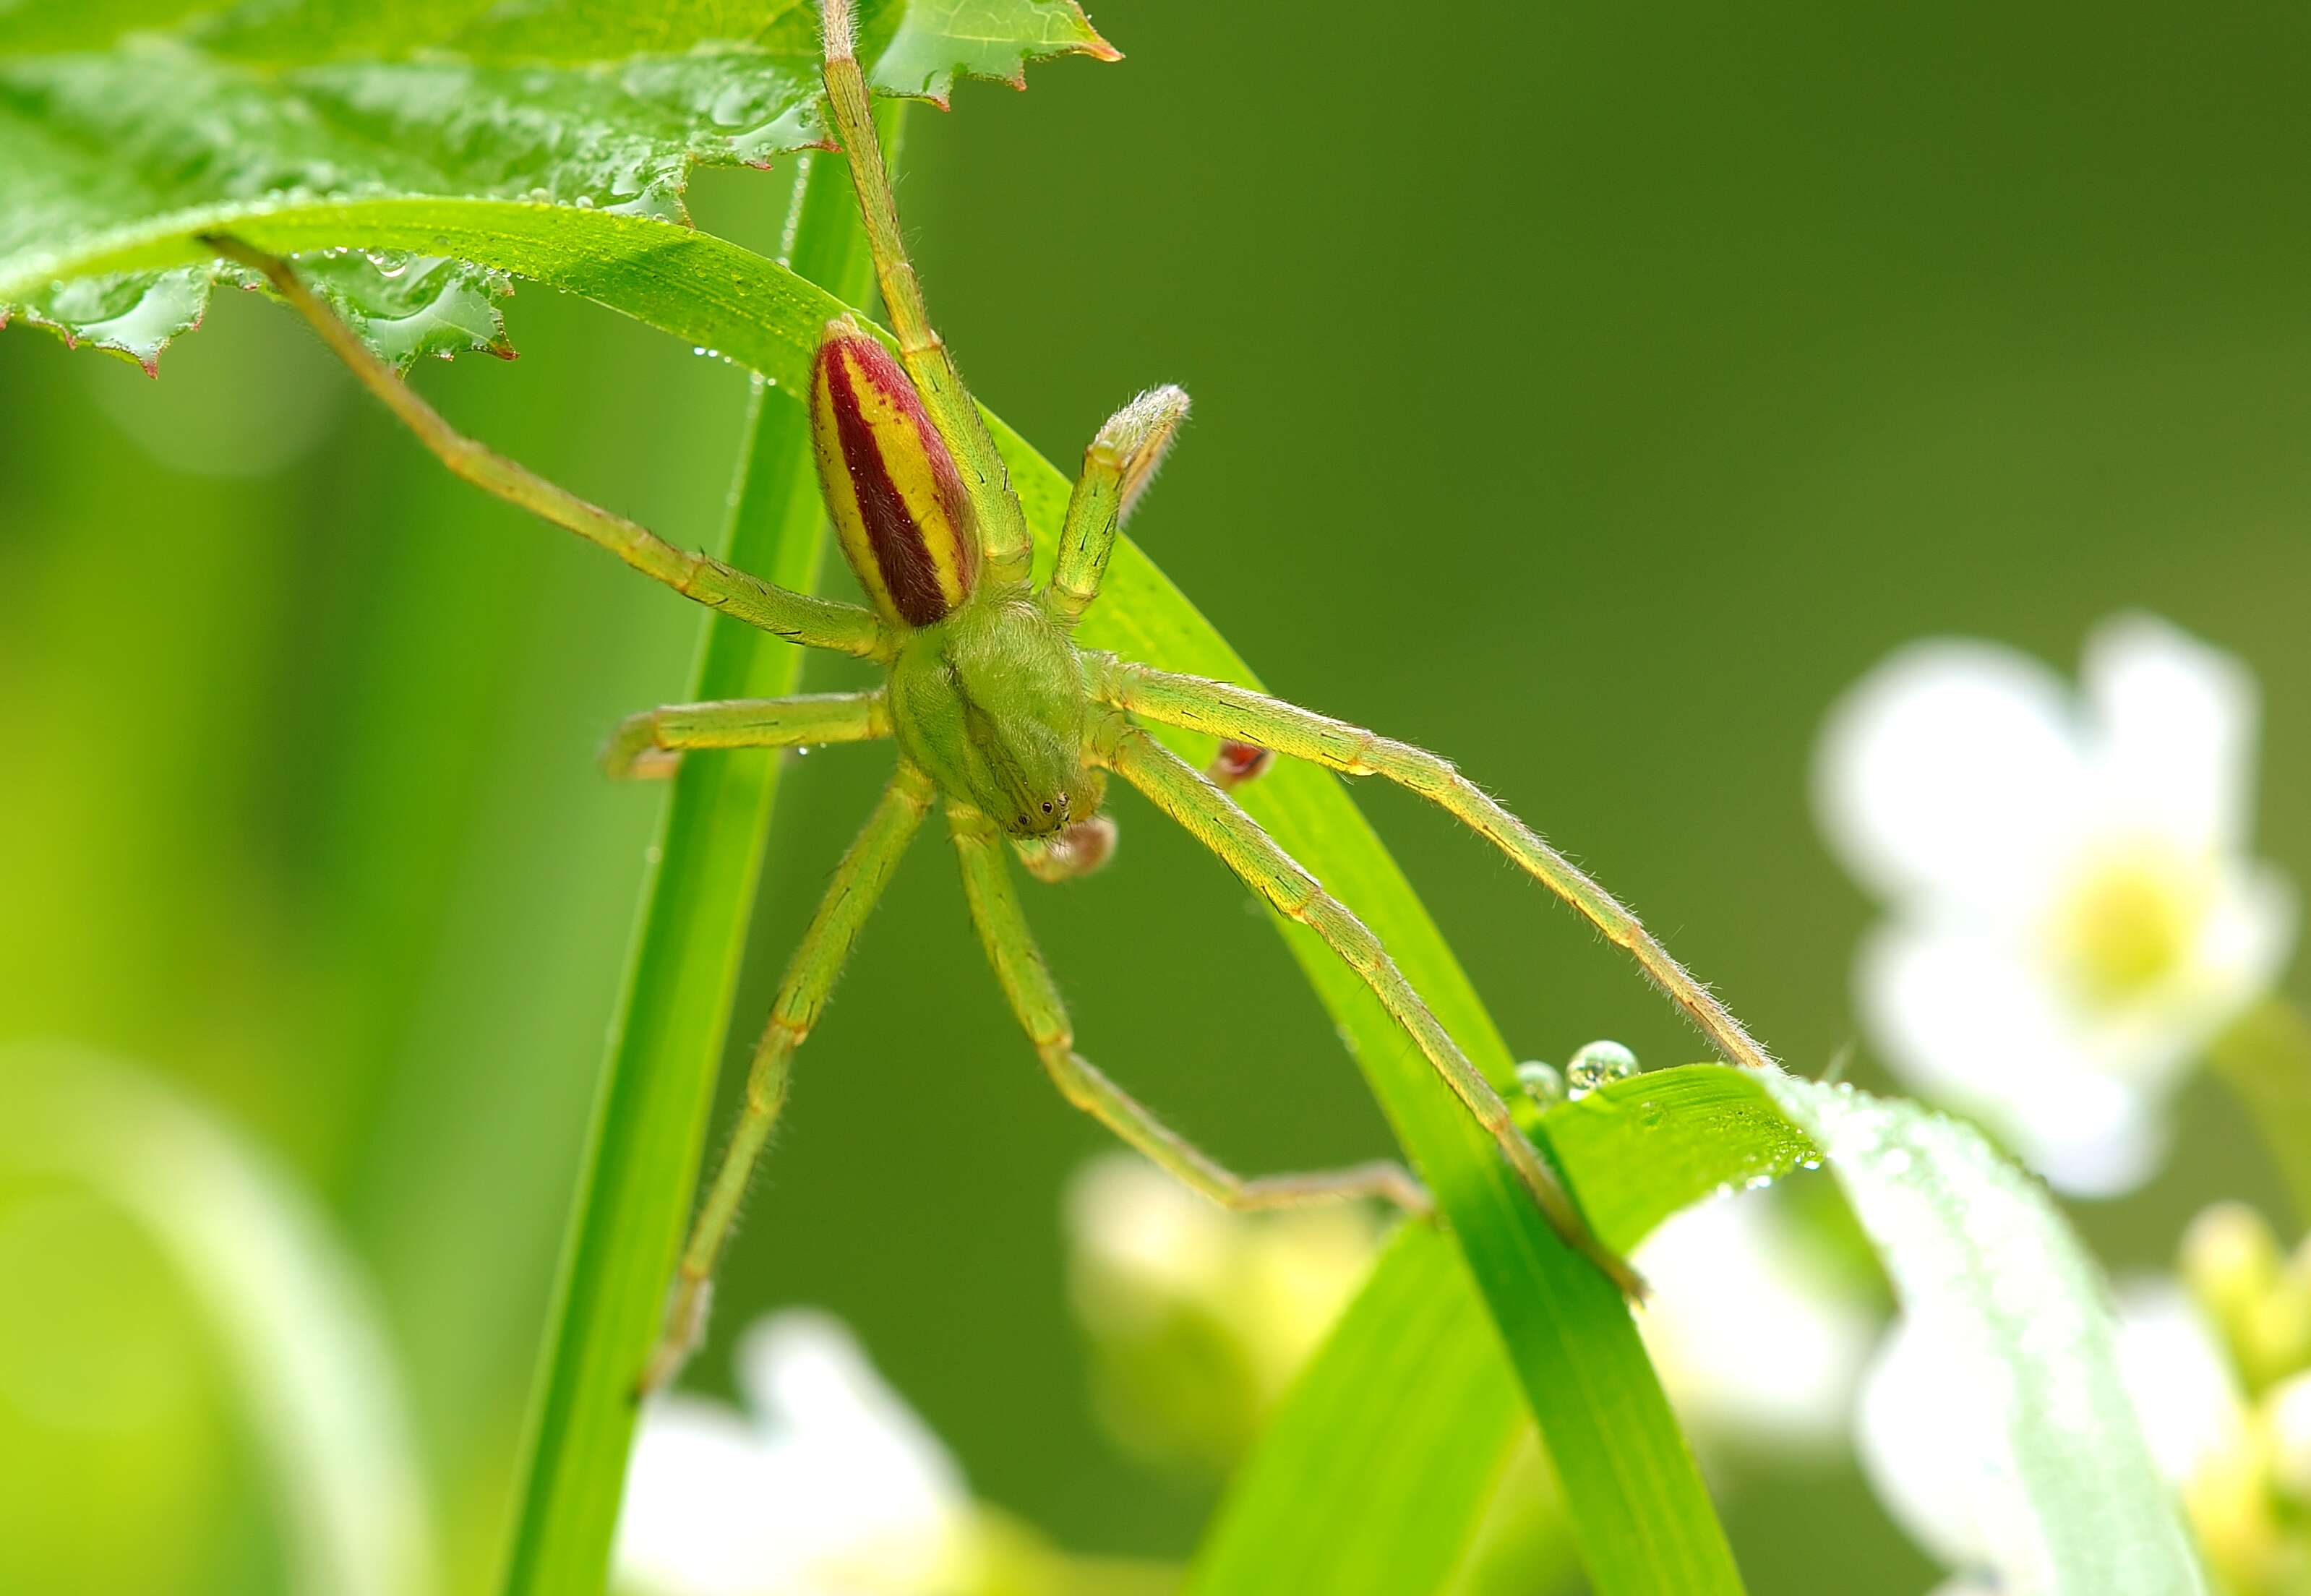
x=999, y=715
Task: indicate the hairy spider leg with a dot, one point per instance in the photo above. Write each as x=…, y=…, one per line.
x=1116, y=470
x=651, y=744
x=850, y=896
x=1213, y=817
x=1004, y=541
x=799, y=617
x=1224, y=710
x=1027, y=983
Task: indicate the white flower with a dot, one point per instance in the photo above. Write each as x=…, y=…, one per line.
x=2074, y=913
x=829, y=1485
x=1937, y=1473
x=1754, y=1338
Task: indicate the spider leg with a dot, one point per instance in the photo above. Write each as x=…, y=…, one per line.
x=1214, y=819
x=851, y=895
x=800, y=617
x=1003, y=527
x=1116, y=470
x=1237, y=713
x=651, y=744
x=1027, y=983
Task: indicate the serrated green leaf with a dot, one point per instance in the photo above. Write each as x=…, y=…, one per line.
x=117, y=113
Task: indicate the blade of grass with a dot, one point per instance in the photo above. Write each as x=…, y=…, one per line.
x=2264, y=1057
x=657, y=1089
x=1372, y=1477
x=2062, y=1492
x=1635, y=1497
x=1378, y=1471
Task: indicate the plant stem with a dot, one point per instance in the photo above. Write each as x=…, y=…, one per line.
x=656, y=1092
x=2264, y=1057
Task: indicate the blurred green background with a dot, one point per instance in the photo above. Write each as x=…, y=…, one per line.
x=1588, y=392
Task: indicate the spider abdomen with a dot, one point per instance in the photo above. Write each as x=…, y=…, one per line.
x=891, y=485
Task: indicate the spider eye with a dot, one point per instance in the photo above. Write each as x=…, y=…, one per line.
x=1047, y=806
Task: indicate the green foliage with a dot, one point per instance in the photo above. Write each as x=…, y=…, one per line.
x=2264, y=1057
x=1979, y=1256
x=288, y=1307
x=424, y=153
x=1374, y=1477
x=117, y=113
x=1377, y=1475
x=1645, y=1522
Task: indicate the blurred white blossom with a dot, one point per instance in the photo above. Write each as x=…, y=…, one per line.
x=1757, y=1337
x=2074, y=910
x=828, y=1485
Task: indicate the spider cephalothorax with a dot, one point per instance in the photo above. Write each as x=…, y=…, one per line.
x=990, y=702
x=998, y=715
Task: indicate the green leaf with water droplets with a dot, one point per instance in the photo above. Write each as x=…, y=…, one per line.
x=124, y=119
x=1401, y=1423
x=1380, y=1471
x=2060, y=1485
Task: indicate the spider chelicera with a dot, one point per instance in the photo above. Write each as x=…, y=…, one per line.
x=1005, y=722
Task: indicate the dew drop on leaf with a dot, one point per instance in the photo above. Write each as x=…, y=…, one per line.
x=1597, y=1063
x=1542, y=1083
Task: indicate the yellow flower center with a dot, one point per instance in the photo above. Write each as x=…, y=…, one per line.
x=2129, y=923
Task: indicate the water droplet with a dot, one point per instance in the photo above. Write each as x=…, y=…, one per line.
x=1599, y=1062
x=1542, y=1083
x=698, y=349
